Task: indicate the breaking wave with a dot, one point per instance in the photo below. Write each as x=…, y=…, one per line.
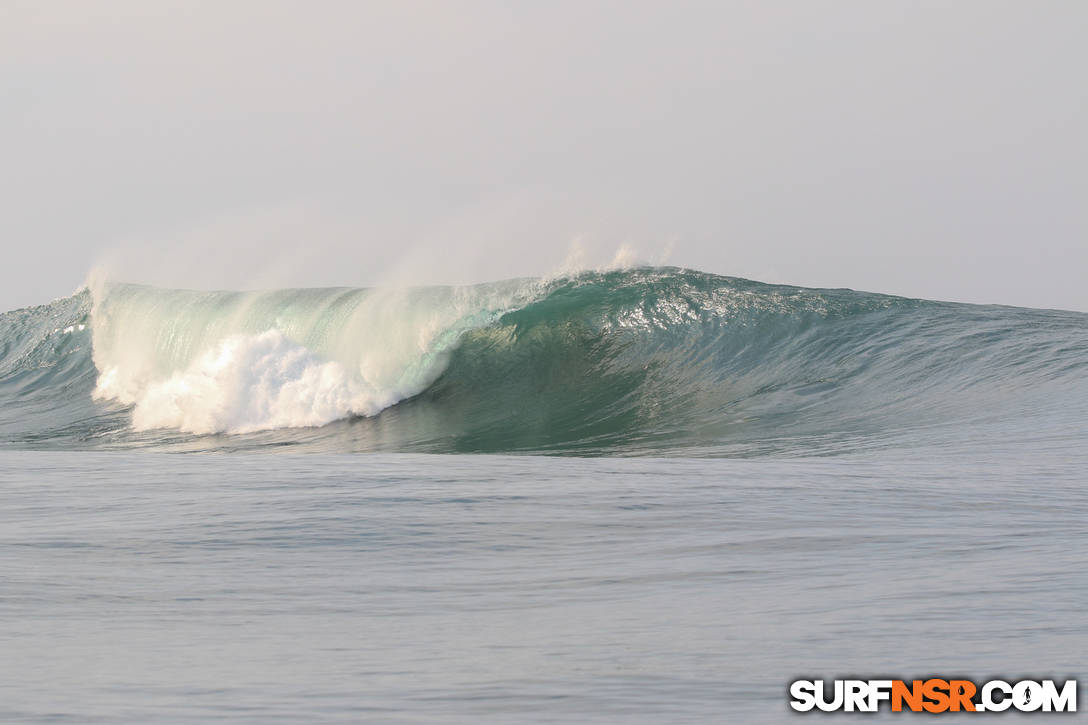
x=643, y=361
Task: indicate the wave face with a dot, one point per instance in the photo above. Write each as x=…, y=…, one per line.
x=637, y=362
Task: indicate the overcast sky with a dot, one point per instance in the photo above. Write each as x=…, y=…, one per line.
x=932, y=149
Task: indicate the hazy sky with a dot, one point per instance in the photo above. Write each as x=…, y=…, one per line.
x=934, y=149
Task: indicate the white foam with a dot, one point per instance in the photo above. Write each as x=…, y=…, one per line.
x=242, y=362
x=253, y=382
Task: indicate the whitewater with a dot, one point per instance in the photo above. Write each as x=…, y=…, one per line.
x=648, y=495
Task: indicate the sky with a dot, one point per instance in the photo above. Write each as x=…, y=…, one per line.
x=928, y=149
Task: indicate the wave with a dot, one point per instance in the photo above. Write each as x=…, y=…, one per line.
x=241, y=362
x=642, y=361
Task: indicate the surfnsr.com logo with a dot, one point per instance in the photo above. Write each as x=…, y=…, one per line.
x=933, y=695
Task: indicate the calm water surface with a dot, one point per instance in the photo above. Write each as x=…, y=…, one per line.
x=151, y=587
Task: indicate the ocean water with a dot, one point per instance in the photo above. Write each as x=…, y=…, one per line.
x=652, y=495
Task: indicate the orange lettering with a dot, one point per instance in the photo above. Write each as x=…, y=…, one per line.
x=912, y=695
x=936, y=691
x=961, y=692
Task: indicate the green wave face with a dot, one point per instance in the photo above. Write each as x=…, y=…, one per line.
x=636, y=362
